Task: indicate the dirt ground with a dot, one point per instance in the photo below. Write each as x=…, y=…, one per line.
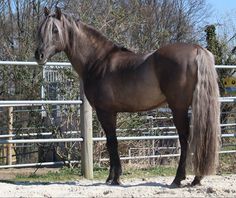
x=212, y=186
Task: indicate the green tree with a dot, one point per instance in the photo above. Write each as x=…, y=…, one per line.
x=213, y=45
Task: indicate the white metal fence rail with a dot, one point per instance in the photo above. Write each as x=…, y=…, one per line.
x=86, y=129
x=21, y=103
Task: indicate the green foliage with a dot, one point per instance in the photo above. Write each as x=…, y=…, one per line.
x=213, y=44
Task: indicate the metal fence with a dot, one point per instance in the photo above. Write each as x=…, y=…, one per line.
x=86, y=126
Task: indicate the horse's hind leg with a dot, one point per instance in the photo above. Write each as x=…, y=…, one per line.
x=108, y=122
x=181, y=122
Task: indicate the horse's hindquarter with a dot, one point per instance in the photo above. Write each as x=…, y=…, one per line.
x=177, y=72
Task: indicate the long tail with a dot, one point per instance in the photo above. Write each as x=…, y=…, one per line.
x=205, y=123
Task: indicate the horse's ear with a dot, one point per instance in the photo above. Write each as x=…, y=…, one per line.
x=58, y=13
x=46, y=11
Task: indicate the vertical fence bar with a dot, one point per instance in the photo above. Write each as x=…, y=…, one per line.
x=87, y=135
x=10, y=128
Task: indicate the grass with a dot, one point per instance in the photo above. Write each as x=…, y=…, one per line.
x=63, y=174
x=128, y=173
x=68, y=174
x=150, y=172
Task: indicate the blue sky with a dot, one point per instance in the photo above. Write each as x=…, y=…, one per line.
x=223, y=14
x=222, y=5
x=220, y=8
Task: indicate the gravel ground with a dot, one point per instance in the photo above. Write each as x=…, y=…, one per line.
x=212, y=186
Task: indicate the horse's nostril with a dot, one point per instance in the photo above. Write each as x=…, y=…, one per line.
x=36, y=54
x=41, y=56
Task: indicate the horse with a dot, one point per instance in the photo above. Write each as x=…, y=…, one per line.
x=116, y=79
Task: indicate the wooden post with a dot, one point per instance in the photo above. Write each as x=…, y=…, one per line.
x=87, y=135
x=10, y=129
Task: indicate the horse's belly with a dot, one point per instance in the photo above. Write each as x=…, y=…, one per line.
x=142, y=100
x=138, y=94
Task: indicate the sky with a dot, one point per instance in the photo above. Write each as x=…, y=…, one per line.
x=222, y=5
x=223, y=15
x=220, y=8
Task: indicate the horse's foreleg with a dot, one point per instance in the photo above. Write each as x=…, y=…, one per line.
x=181, y=122
x=108, y=122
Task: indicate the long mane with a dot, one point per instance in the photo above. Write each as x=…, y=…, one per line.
x=111, y=57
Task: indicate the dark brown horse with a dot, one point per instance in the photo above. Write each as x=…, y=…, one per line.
x=118, y=80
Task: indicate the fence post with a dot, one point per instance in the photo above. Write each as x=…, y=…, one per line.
x=87, y=135
x=10, y=129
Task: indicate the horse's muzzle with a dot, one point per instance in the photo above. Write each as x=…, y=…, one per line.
x=40, y=57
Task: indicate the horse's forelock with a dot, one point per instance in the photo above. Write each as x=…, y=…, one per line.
x=59, y=28
x=45, y=31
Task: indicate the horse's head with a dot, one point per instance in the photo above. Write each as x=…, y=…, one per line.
x=51, y=36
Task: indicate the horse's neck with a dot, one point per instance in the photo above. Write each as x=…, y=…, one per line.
x=90, y=47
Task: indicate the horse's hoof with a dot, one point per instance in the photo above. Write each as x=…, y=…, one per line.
x=196, y=181
x=175, y=184
x=113, y=182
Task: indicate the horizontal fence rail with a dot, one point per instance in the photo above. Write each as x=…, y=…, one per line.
x=37, y=164
x=76, y=132
x=225, y=66
x=26, y=63
x=36, y=134
x=21, y=103
x=84, y=138
x=23, y=141
x=97, y=139
x=227, y=99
